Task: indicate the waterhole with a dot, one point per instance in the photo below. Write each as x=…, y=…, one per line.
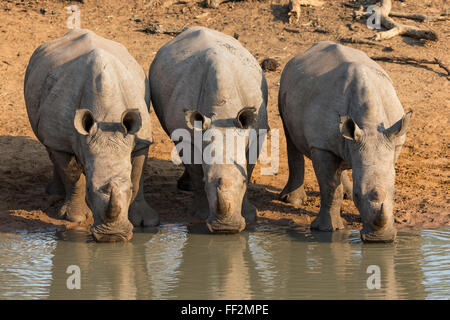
x=266, y=262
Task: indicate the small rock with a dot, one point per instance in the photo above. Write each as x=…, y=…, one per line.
x=135, y=19
x=154, y=29
x=317, y=30
x=269, y=64
x=236, y=36
x=212, y=3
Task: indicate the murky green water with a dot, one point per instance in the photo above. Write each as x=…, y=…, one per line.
x=174, y=262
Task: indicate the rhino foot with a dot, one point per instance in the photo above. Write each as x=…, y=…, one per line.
x=296, y=197
x=74, y=212
x=326, y=222
x=141, y=214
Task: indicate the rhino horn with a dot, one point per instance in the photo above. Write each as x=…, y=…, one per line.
x=113, y=209
x=382, y=218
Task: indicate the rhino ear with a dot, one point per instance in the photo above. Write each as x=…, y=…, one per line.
x=246, y=118
x=400, y=127
x=131, y=121
x=196, y=120
x=349, y=129
x=83, y=121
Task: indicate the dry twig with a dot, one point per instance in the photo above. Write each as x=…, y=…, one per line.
x=412, y=61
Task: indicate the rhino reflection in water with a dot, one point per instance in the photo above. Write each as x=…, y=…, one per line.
x=177, y=264
x=88, y=102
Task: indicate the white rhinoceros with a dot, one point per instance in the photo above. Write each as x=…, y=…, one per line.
x=340, y=109
x=88, y=103
x=206, y=76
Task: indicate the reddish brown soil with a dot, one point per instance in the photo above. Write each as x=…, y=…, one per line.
x=422, y=170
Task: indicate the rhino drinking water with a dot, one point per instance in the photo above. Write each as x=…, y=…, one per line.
x=206, y=76
x=88, y=103
x=340, y=109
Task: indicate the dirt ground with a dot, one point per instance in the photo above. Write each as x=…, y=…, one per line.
x=262, y=27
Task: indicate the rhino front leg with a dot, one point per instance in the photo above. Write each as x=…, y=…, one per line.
x=140, y=213
x=184, y=182
x=56, y=186
x=200, y=205
x=328, y=173
x=348, y=186
x=249, y=211
x=294, y=191
x=71, y=174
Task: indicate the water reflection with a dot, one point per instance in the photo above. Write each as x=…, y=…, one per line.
x=25, y=265
x=163, y=256
x=179, y=262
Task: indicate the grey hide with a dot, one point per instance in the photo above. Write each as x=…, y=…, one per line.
x=340, y=109
x=208, y=76
x=88, y=102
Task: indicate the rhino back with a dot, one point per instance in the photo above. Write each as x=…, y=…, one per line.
x=82, y=70
x=206, y=70
x=330, y=80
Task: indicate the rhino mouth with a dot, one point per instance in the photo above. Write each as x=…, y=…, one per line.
x=225, y=226
x=113, y=232
x=384, y=235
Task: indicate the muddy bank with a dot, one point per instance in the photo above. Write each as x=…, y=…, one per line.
x=262, y=27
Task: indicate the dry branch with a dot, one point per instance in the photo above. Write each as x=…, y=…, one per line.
x=154, y=28
x=295, y=9
x=395, y=28
x=358, y=41
x=412, y=61
x=417, y=16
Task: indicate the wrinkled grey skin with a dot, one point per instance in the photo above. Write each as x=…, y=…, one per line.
x=340, y=109
x=206, y=75
x=88, y=101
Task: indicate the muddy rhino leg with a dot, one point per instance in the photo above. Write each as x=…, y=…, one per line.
x=328, y=173
x=348, y=186
x=184, y=182
x=55, y=187
x=248, y=210
x=294, y=191
x=71, y=174
x=200, y=206
x=140, y=213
